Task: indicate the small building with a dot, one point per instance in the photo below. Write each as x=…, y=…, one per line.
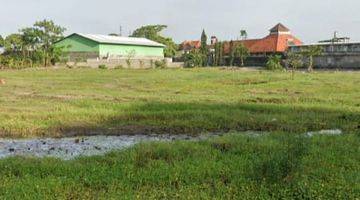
x=91, y=46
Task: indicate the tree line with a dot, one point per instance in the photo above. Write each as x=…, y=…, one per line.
x=32, y=46
x=216, y=55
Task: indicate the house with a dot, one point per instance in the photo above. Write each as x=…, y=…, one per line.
x=91, y=46
x=189, y=45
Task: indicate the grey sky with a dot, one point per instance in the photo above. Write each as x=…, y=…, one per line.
x=310, y=20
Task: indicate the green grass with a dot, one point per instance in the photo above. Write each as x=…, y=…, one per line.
x=91, y=101
x=278, y=165
x=274, y=166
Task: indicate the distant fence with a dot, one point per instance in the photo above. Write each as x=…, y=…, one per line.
x=135, y=63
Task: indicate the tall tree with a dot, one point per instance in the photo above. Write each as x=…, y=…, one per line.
x=311, y=52
x=241, y=52
x=231, y=53
x=1, y=41
x=152, y=32
x=47, y=33
x=204, y=48
x=221, y=54
x=217, y=53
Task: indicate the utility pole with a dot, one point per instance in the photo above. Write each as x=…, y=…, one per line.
x=120, y=33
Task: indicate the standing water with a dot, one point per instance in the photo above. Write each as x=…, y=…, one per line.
x=70, y=148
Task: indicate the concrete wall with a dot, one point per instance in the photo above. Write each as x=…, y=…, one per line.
x=337, y=56
x=338, y=61
x=123, y=63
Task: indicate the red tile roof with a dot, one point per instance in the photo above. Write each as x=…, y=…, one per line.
x=273, y=43
x=279, y=28
x=189, y=45
x=277, y=41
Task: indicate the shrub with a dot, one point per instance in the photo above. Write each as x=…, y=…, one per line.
x=102, y=67
x=119, y=67
x=160, y=64
x=274, y=63
x=193, y=59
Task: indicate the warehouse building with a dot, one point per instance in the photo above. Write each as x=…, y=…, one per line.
x=103, y=47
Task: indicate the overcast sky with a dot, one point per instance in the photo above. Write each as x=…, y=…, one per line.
x=309, y=20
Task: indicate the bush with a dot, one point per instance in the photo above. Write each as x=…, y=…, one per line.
x=160, y=64
x=119, y=67
x=274, y=63
x=102, y=67
x=193, y=59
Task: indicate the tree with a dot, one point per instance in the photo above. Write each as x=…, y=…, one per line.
x=204, y=49
x=218, y=53
x=294, y=61
x=231, y=53
x=311, y=52
x=1, y=41
x=241, y=52
x=152, y=32
x=47, y=33
x=30, y=39
x=243, y=34
x=221, y=54
x=193, y=59
x=34, y=45
x=13, y=42
x=274, y=63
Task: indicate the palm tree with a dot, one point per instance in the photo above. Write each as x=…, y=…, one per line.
x=243, y=34
x=311, y=52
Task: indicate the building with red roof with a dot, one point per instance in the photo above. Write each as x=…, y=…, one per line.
x=189, y=45
x=278, y=41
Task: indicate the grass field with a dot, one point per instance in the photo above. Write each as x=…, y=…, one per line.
x=281, y=164
x=63, y=102
x=274, y=166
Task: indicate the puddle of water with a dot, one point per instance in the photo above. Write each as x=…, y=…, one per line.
x=70, y=148
x=325, y=132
